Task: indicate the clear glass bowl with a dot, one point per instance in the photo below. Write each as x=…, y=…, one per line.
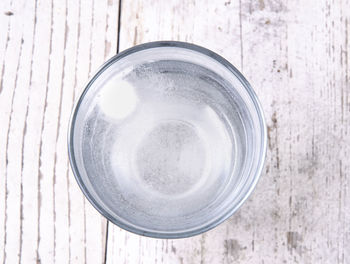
x=167, y=140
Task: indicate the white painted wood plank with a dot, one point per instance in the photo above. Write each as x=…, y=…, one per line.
x=36, y=188
x=54, y=210
x=295, y=54
x=10, y=118
x=76, y=200
x=95, y=224
x=111, y=31
x=304, y=90
x=4, y=118
x=51, y=49
x=65, y=82
x=111, y=40
x=5, y=22
x=186, y=20
x=87, y=227
x=29, y=173
x=143, y=21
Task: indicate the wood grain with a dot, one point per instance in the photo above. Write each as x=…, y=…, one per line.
x=294, y=53
x=49, y=50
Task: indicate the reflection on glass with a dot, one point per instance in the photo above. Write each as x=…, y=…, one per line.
x=118, y=99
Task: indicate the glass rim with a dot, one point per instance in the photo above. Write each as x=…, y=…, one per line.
x=261, y=155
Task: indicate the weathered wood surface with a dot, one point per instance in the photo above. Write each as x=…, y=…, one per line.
x=294, y=53
x=48, y=49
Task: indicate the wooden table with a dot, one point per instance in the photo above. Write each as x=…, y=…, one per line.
x=294, y=53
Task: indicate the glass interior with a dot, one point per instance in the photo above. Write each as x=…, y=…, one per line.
x=167, y=141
